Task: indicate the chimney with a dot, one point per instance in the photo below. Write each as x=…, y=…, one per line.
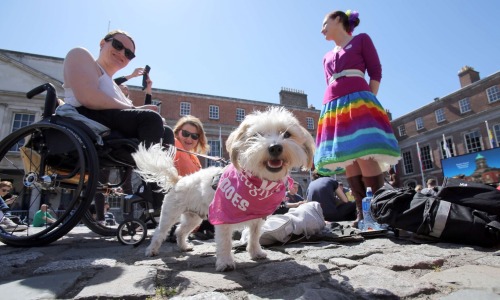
x=389, y=114
x=293, y=97
x=467, y=75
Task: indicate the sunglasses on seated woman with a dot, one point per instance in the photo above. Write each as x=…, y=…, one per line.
x=129, y=54
x=186, y=134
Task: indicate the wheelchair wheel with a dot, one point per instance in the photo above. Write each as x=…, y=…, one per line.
x=57, y=166
x=132, y=232
x=97, y=227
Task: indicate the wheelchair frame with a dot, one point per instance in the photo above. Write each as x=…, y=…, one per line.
x=61, y=162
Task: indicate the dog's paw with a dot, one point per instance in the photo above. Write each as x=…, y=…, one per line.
x=185, y=247
x=151, y=252
x=257, y=255
x=224, y=266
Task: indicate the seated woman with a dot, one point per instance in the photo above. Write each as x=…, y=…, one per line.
x=190, y=136
x=88, y=86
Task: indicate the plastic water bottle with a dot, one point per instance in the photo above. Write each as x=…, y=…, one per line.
x=368, y=222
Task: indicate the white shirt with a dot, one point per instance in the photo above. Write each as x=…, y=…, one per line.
x=106, y=84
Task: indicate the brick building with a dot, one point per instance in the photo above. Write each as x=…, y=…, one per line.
x=462, y=117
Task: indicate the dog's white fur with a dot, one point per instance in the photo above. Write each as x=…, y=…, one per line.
x=267, y=144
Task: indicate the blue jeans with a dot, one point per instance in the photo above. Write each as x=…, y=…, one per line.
x=4, y=207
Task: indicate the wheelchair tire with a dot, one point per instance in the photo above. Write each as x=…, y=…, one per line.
x=132, y=232
x=96, y=227
x=58, y=166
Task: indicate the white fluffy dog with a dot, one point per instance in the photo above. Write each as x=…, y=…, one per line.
x=263, y=151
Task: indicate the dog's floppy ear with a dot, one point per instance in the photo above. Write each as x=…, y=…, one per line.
x=233, y=144
x=309, y=148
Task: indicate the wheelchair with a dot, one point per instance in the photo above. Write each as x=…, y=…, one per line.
x=58, y=160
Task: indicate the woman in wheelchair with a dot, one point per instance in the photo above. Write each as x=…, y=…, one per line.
x=89, y=87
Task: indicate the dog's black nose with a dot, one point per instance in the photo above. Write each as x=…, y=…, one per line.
x=275, y=149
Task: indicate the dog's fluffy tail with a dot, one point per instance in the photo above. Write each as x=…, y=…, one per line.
x=156, y=164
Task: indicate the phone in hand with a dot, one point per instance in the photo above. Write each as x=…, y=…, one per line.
x=145, y=77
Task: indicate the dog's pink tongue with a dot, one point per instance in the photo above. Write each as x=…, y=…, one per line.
x=275, y=163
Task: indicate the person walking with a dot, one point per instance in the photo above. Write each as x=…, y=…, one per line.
x=354, y=133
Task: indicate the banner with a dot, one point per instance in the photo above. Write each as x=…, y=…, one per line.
x=482, y=166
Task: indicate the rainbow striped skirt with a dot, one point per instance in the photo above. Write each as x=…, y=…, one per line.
x=352, y=127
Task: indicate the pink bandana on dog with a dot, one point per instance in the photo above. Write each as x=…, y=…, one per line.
x=241, y=197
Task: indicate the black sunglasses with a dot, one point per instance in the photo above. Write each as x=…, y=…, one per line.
x=119, y=46
x=186, y=134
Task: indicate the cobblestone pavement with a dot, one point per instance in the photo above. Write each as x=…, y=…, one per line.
x=83, y=265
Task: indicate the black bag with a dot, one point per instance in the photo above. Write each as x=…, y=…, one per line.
x=471, y=194
x=437, y=217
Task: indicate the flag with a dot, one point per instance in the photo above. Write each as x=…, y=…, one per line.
x=490, y=135
x=492, y=140
x=445, y=148
x=420, y=162
x=220, y=142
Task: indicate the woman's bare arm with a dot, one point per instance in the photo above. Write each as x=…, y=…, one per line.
x=81, y=74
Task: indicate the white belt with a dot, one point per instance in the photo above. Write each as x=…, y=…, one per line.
x=346, y=73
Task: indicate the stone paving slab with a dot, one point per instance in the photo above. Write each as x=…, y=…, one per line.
x=470, y=277
x=121, y=281
x=51, y=286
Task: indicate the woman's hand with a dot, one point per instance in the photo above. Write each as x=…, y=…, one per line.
x=137, y=72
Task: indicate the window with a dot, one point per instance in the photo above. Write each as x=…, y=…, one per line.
x=440, y=115
x=473, y=141
x=157, y=103
x=213, y=112
x=464, y=105
x=419, y=122
x=21, y=120
x=493, y=94
x=449, y=143
x=496, y=135
x=185, y=108
x=215, y=147
x=240, y=114
x=426, y=158
x=407, y=162
x=310, y=123
x=402, y=130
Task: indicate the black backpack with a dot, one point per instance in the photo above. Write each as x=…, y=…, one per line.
x=462, y=212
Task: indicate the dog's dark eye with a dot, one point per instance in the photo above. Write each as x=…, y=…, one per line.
x=286, y=134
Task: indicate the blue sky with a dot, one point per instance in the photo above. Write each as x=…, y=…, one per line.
x=251, y=49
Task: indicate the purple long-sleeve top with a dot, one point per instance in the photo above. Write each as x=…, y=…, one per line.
x=360, y=54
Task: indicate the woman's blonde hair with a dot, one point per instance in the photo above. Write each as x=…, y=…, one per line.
x=202, y=147
x=5, y=183
x=117, y=31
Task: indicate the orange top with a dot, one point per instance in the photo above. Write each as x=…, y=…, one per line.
x=185, y=163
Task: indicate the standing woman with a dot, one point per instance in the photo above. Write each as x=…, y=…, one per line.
x=354, y=132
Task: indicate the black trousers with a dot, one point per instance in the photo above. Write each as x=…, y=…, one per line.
x=343, y=212
x=143, y=124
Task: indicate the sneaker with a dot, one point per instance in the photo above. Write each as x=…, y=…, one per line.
x=8, y=225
